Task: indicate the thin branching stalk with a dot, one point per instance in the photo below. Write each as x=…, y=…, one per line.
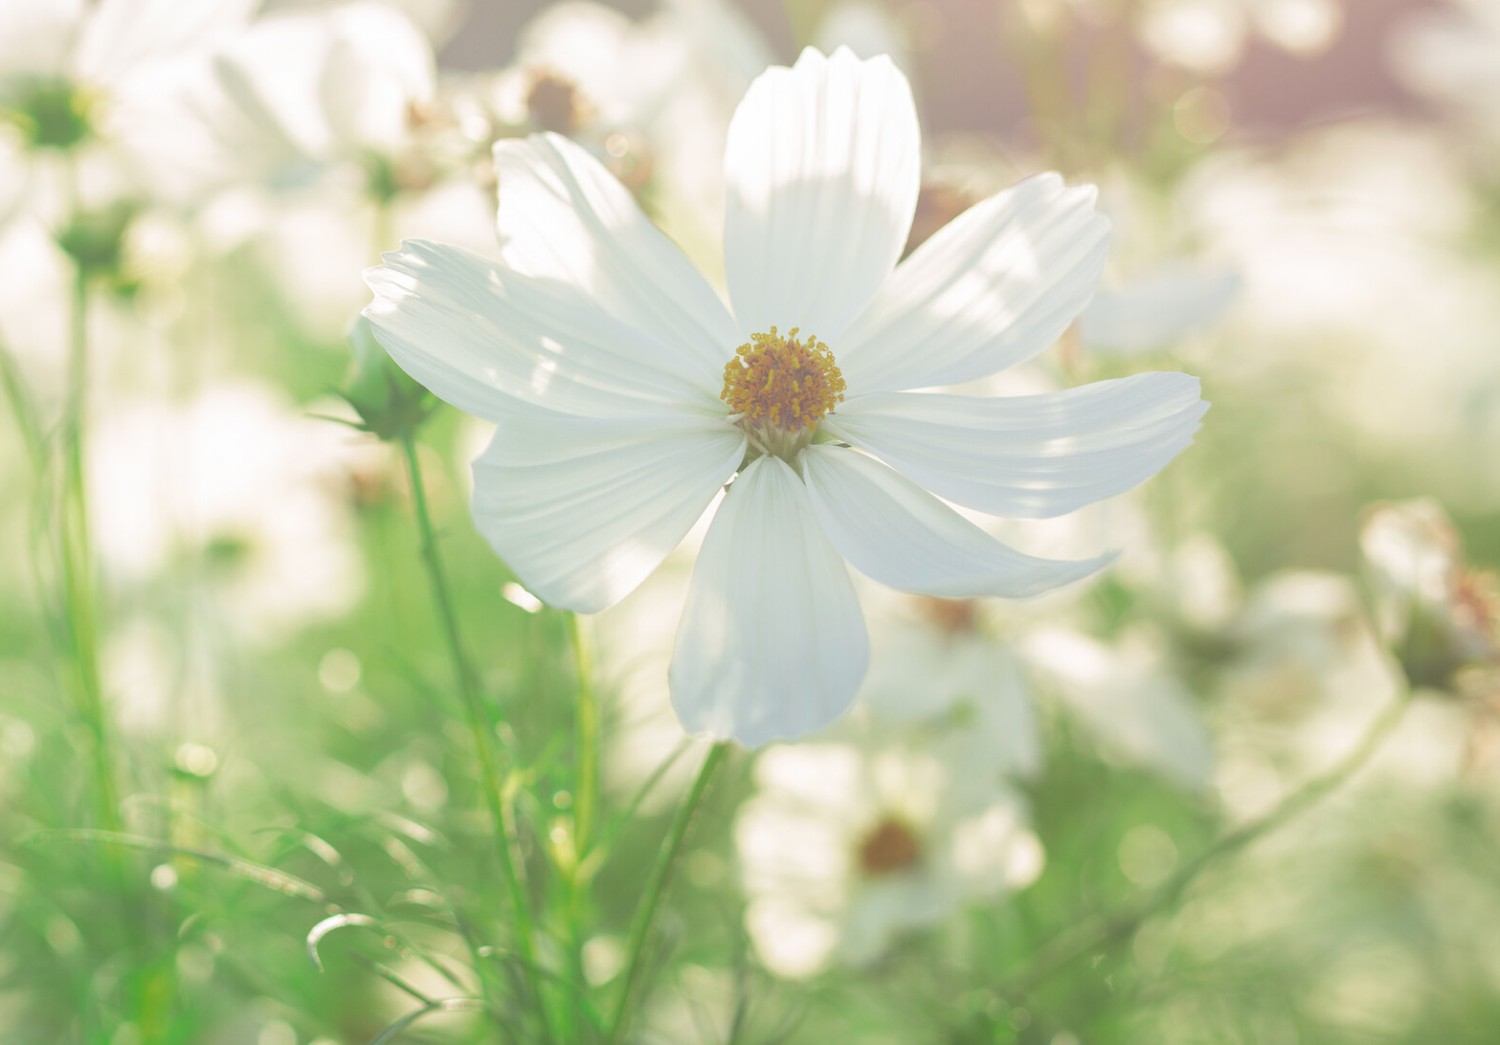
x=1106, y=930
x=507, y=841
x=656, y=885
x=76, y=553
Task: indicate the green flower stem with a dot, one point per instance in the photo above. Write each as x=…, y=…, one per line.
x=78, y=567
x=656, y=885
x=585, y=798
x=1104, y=931
x=29, y=426
x=501, y=812
x=586, y=789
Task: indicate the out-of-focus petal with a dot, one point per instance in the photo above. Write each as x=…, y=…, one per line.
x=1134, y=709
x=1156, y=310
x=127, y=38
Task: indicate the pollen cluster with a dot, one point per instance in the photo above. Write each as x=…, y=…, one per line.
x=782, y=381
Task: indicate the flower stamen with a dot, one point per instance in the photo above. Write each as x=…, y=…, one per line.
x=783, y=382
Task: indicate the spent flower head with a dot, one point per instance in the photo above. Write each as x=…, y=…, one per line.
x=1439, y=616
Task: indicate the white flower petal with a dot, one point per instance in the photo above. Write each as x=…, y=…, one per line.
x=378, y=64
x=898, y=534
x=583, y=509
x=38, y=36
x=992, y=288
x=772, y=642
x=564, y=218
x=486, y=340
x=1030, y=456
x=822, y=171
x=124, y=38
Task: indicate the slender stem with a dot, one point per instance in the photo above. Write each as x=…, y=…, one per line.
x=23, y=409
x=501, y=813
x=78, y=565
x=656, y=885
x=585, y=797
x=586, y=788
x=1105, y=930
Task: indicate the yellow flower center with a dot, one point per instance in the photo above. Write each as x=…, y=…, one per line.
x=889, y=847
x=782, y=382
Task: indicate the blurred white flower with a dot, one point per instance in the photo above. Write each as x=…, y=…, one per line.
x=847, y=845
x=622, y=406
x=1304, y=677
x=239, y=490
x=1453, y=54
x=305, y=91
x=651, y=99
x=1351, y=245
x=438, y=19
x=866, y=28
x=1137, y=710
x=96, y=54
x=937, y=674
x=1157, y=308
x=94, y=79
x=1210, y=36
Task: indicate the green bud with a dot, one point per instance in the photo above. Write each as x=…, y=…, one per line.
x=389, y=403
x=95, y=240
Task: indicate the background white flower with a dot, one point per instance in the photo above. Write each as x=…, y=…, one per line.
x=850, y=842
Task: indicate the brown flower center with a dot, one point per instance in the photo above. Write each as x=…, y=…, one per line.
x=555, y=103
x=888, y=848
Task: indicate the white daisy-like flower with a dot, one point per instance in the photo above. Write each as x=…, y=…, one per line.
x=626, y=395
x=848, y=844
x=241, y=489
x=303, y=92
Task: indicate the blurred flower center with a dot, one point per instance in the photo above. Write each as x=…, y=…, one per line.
x=782, y=385
x=951, y=616
x=889, y=847
x=52, y=113
x=555, y=103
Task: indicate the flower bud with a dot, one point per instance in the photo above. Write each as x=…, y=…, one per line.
x=1439, y=617
x=95, y=239
x=389, y=403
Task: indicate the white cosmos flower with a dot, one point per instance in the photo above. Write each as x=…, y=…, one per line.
x=848, y=844
x=623, y=405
